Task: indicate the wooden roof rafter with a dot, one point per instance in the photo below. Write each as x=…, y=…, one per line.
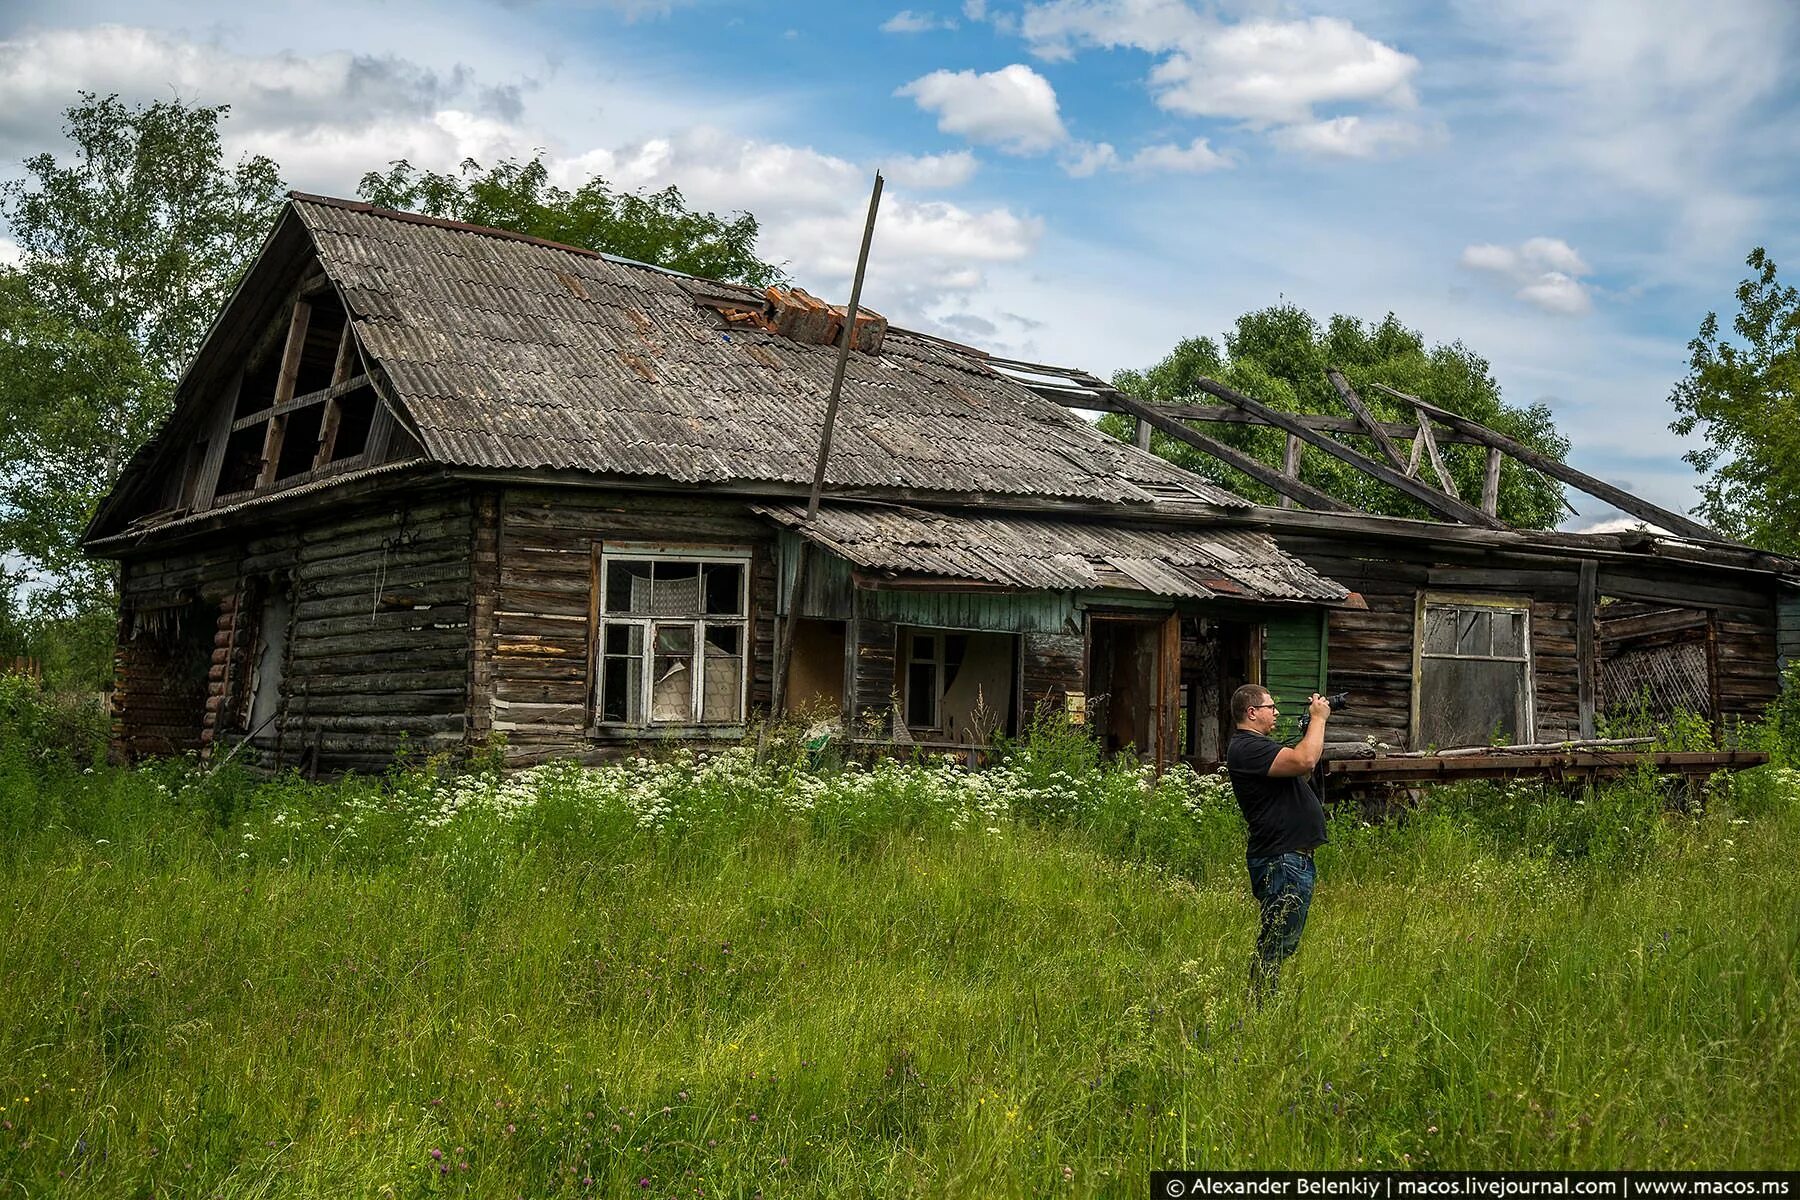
x=1074, y=388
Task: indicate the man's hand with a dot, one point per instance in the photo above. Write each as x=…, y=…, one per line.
x=1301, y=759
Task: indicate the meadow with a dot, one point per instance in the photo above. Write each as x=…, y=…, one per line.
x=725, y=976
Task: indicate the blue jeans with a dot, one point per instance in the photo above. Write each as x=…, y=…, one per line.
x=1283, y=885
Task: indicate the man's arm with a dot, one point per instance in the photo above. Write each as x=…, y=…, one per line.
x=1301, y=759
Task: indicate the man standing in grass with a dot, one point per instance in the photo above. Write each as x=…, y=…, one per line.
x=1287, y=823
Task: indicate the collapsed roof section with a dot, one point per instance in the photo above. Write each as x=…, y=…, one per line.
x=1405, y=473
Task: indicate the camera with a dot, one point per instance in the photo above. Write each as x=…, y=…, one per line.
x=1336, y=702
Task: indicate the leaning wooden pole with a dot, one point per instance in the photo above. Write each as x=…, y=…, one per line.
x=843, y=357
x=784, y=657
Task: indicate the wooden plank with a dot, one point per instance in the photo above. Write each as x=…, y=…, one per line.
x=284, y=391
x=1290, y=464
x=1140, y=434
x=1418, y=452
x=1429, y=437
x=295, y=403
x=1446, y=506
x=217, y=437
x=1365, y=418
x=1598, y=488
x=1309, y=496
x=1106, y=400
x=1490, y=484
x=1587, y=602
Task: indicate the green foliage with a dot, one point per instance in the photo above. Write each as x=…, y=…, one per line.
x=1279, y=355
x=653, y=227
x=1745, y=400
x=36, y=725
x=907, y=980
x=128, y=251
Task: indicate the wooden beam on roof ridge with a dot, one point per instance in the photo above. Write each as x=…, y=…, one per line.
x=1073, y=395
x=1620, y=499
x=1439, y=503
x=1231, y=456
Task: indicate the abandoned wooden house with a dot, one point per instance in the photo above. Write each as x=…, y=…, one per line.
x=425, y=484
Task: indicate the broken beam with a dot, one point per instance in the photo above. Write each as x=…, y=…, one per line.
x=1437, y=502
x=1224, y=414
x=1598, y=488
x=1429, y=437
x=1361, y=412
x=1231, y=456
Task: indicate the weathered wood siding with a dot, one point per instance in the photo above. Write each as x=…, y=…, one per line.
x=1370, y=653
x=377, y=649
x=1746, y=624
x=545, y=609
x=1051, y=666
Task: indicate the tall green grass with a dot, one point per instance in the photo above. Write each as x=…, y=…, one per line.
x=722, y=978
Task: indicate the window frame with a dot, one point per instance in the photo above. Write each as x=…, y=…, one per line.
x=936, y=662
x=608, y=553
x=1527, y=658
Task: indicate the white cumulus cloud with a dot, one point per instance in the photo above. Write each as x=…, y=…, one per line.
x=908, y=21
x=811, y=207
x=1268, y=73
x=1543, y=271
x=1083, y=159
x=1196, y=156
x=1013, y=108
x=932, y=170
x=1352, y=137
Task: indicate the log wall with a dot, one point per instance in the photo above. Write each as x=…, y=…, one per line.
x=540, y=691
x=376, y=652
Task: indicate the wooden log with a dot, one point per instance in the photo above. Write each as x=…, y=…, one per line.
x=1599, y=489
x=1309, y=496
x=1490, y=483
x=1584, y=744
x=1366, y=419
x=1429, y=437
x=1290, y=465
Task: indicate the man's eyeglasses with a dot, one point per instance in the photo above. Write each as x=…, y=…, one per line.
x=1254, y=707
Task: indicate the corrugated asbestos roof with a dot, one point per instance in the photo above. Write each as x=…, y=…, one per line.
x=509, y=353
x=1057, y=554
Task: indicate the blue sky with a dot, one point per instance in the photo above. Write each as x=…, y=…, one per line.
x=1567, y=189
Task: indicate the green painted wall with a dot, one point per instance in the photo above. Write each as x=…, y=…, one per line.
x=1293, y=662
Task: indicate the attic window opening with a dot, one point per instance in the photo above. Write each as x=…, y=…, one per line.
x=320, y=352
x=243, y=460
x=300, y=441
x=356, y=413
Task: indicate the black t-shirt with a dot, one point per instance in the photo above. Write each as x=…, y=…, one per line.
x=1283, y=814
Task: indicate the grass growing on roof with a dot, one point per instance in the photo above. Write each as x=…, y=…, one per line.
x=709, y=974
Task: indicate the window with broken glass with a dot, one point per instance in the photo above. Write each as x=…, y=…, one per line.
x=673, y=637
x=1474, y=672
